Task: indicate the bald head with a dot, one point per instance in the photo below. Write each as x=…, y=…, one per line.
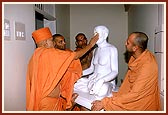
x=141, y=40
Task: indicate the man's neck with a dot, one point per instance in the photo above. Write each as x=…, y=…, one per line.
x=137, y=54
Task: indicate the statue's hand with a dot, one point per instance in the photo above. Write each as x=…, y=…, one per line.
x=90, y=84
x=97, y=86
x=92, y=76
x=92, y=79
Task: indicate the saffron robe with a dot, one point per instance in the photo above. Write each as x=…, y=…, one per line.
x=139, y=90
x=47, y=68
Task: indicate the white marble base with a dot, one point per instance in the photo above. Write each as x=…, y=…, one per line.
x=85, y=99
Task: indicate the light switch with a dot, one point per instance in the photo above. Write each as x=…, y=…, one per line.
x=20, y=31
x=7, y=31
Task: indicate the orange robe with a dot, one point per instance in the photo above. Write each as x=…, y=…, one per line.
x=46, y=69
x=139, y=90
x=72, y=74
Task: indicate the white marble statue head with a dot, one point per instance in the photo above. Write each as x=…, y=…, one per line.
x=103, y=33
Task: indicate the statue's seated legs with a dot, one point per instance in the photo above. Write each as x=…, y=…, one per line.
x=86, y=97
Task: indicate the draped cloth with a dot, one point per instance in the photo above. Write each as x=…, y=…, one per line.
x=139, y=90
x=47, y=68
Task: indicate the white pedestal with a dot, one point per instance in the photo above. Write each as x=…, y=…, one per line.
x=84, y=99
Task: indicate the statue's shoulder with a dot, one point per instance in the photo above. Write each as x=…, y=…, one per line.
x=113, y=48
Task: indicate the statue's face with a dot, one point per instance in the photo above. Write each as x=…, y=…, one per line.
x=101, y=33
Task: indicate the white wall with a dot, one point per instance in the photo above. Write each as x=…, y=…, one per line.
x=84, y=17
x=16, y=56
x=144, y=17
x=63, y=21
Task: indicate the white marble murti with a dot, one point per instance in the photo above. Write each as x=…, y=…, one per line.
x=85, y=99
x=100, y=80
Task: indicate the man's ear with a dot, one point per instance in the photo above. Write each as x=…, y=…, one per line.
x=76, y=43
x=54, y=43
x=135, y=48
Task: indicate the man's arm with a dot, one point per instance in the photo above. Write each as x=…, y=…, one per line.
x=90, y=69
x=92, y=42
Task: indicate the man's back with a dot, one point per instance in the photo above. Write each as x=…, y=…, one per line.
x=46, y=73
